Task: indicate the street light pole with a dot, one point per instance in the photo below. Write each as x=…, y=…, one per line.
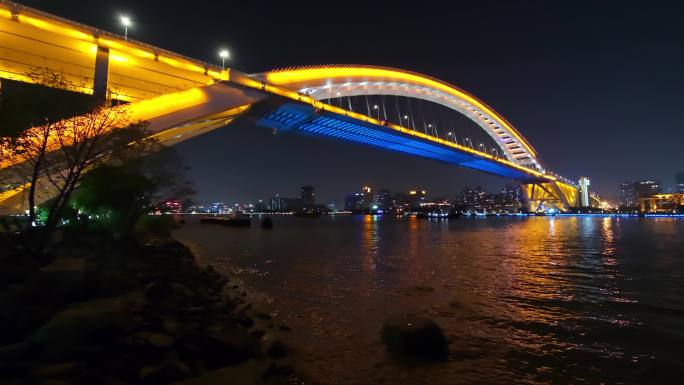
x=224, y=54
x=125, y=21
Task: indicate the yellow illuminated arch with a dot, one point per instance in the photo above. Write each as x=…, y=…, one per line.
x=324, y=82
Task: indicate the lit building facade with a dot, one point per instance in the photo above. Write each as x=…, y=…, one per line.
x=627, y=194
x=584, y=184
x=662, y=203
x=646, y=188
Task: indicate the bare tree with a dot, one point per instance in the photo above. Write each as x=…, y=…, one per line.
x=52, y=158
x=29, y=149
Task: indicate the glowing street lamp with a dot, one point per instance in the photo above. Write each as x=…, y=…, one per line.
x=126, y=22
x=224, y=54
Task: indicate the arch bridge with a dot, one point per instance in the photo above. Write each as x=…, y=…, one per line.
x=180, y=98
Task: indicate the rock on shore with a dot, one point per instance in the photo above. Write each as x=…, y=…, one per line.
x=414, y=337
x=129, y=314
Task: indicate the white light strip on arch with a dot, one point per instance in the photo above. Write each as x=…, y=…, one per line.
x=513, y=151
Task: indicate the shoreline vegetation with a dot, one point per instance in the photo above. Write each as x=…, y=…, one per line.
x=92, y=289
x=98, y=311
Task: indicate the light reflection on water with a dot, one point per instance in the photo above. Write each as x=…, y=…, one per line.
x=537, y=300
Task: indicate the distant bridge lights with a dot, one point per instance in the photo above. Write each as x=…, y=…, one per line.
x=224, y=54
x=126, y=22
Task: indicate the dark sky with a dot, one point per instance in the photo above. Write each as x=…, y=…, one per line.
x=597, y=86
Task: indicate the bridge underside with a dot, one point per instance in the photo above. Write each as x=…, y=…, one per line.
x=308, y=120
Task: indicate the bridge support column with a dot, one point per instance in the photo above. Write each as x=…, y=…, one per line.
x=553, y=194
x=101, y=77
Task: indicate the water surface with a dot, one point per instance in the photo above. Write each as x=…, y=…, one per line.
x=523, y=300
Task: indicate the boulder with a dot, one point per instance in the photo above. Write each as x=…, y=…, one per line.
x=164, y=373
x=87, y=323
x=248, y=373
x=61, y=370
x=157, y=340
x=277, y=349
x=229, y=344
x=64, y=277
x=416, y=337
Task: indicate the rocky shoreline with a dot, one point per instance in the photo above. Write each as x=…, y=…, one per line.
x=125, y=313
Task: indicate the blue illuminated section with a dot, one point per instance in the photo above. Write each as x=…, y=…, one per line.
x=307, y=120
x=286, y=117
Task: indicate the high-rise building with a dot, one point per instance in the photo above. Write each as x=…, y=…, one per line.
x=384, y=198
x=293, y=204
x=307, y=195
x=645, y=188
x=584, y=184
x=219, y=208
x=510, y=198
x=353, y=201
x=416, y=197
x=260, y=206
x=471, y=198
x=627, y=194
x=680, y=182
x=276, y=203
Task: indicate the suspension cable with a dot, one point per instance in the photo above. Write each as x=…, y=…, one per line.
x=408, y=103
x=384, y=110
x=396, y=101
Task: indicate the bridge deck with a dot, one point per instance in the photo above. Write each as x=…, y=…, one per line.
x=308, y=120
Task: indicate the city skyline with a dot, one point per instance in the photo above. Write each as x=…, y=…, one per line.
x=537, y=89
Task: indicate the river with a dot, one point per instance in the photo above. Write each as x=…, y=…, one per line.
x=521, y=299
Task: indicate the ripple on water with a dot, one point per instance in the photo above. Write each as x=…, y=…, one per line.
x=535, y=300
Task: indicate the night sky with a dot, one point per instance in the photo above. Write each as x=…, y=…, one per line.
x=597, y=87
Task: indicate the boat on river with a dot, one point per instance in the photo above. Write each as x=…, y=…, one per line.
x=234, y=221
